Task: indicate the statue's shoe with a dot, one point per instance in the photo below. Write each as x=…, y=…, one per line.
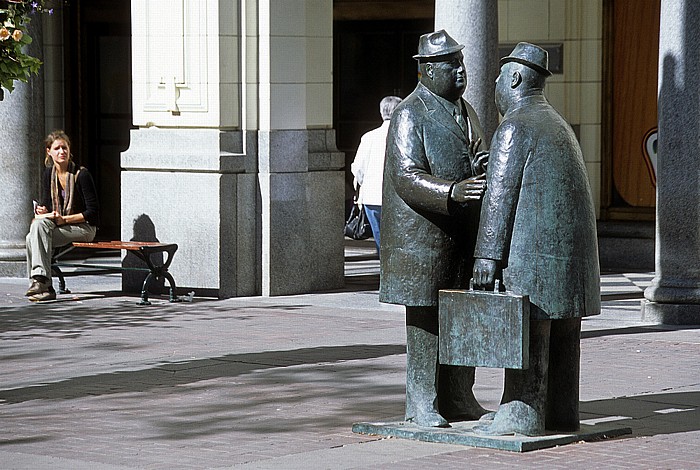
x=512, y=418
x=429, y=419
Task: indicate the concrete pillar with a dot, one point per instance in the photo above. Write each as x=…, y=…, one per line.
x=21, y=160
x=234, y=157
x=674, y=295
x=474, y=23
x=301, y=182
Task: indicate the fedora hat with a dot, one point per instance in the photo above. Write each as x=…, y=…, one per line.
x=436, y=44
x=531, y=55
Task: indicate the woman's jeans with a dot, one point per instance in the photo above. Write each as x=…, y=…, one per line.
x=44, y=235
x=374, y=216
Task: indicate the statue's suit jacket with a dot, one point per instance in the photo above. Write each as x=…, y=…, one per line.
x=427, y=240
x=537, y=216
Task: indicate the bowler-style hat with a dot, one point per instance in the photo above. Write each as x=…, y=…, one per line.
x=436, y=44
x=531, y=55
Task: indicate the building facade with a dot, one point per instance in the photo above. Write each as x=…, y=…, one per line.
x=228, y=126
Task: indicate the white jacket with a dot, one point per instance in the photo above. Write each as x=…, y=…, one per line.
x=368, y=166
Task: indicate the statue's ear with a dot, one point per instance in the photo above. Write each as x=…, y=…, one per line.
x=429, y=71
x=516, y=80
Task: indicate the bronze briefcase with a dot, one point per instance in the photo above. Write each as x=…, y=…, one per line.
x=484, y=329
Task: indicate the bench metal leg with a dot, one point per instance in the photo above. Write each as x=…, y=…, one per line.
x=56, y=271
x=171, y=282
x=144, y=289
x=155, y=275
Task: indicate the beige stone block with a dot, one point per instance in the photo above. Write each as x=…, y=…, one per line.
x=319, y=18
x=251, y=18
x=591, y=19
x=528, y=20
x=555, y=94
x=572, y=108
x=228, y=18
x=288, y=59
x=288, y=18
x=557, y=25
x=251, y=59
x=288, y=106
x=503, y=20
x=590, y=103
x=229, y=59
x=591, y=52
x=319, y=104
x=590, y=142
x=230, y=105
x=572, y=61
x=319, y=60
x=251, y=106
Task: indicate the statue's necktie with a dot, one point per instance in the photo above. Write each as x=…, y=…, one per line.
x=460, y=119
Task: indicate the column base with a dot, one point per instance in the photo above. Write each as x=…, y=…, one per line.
x=13, y=268
x=670, y=314
x=13, y=260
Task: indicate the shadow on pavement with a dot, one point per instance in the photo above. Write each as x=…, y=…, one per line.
x=649, y=415
x=175, y=374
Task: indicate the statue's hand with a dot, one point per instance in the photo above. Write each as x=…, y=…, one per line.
x=480, y=162
x=470, y=189
x=474, y=146
x=484, y=272
x=479, y=159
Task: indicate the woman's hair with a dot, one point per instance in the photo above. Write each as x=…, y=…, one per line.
x=48, y=142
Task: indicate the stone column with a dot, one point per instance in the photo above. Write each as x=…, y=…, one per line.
x=234, y=157
x=474, y=23
x=674, y=295
x=300, y=169
x=21, y=157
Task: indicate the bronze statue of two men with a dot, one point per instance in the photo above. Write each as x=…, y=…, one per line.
x=528, y=221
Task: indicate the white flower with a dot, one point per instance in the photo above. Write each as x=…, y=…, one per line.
x=17, y=35
x=4, y=34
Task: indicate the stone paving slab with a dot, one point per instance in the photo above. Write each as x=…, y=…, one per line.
x=96, y=381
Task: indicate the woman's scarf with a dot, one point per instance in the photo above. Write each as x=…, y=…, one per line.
x=69, y=190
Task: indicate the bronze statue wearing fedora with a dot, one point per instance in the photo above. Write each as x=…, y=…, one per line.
x=538, y=229
x=433, y=185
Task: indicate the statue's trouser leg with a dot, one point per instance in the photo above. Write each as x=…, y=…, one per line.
x=523, y=404
x=422, y=367
x=563, y=384
x=456, y=400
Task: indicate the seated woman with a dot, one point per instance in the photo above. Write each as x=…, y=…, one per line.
x=68, y=212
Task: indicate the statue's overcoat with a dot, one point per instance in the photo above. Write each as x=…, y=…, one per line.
x=537, y=216
x=427, y=239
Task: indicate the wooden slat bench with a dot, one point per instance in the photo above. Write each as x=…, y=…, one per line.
x=142, y=250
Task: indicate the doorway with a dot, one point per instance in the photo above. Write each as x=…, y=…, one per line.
x=632, y=39
x=371, y=59
x=98, y=97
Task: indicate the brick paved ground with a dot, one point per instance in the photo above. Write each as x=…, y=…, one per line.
x=95, y=381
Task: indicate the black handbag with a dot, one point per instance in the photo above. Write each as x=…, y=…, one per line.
x=357, y=227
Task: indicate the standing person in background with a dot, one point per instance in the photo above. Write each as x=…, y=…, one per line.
x=68, y=212
x=368, y=166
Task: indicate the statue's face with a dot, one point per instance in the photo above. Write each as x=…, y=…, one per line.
x=447, y=78
x=503, y=87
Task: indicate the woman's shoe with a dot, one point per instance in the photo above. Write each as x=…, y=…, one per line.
x=44, y=296
x=39, y=285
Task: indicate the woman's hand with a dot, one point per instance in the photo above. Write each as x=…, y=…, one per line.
x=41, y=210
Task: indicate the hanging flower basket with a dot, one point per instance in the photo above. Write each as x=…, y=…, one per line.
x=15, y=64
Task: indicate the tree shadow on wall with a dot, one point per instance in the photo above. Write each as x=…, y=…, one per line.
x=132, y=280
